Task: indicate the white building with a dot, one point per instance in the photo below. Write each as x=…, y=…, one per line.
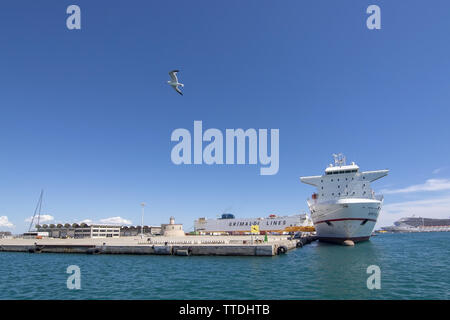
x=80, y=230
x=104, y=231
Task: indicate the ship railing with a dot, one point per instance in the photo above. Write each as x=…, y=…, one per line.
x=378, y=197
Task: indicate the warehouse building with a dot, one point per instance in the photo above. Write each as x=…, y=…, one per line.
x=84, y=230
x=133, y=231
x=5, y=235
x=78, y=231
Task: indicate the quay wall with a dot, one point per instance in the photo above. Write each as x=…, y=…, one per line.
x=196, y=245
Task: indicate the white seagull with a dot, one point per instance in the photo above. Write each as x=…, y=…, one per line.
x=174, y=81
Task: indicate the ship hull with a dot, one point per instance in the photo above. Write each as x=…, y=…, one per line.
x=243, y=226
x=345, y=219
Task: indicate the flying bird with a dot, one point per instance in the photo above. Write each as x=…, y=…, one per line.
x=174, y=81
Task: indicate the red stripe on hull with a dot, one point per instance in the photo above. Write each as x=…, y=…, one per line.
x=341, y=240
x=344, y=219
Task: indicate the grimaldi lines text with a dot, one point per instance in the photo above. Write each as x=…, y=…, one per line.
x=228, y=224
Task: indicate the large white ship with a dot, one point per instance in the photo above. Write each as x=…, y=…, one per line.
x=344, y=207
x=228, y=224
x=419, y=224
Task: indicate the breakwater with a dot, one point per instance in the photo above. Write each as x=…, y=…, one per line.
x=183, y=246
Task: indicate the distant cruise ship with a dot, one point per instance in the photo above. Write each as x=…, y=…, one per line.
x=228, y=224
x=419, y=224
x=344, y=206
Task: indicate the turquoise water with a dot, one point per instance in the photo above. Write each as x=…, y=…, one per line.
x=413, y=266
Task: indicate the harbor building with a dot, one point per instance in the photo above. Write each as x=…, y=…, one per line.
x=84, y=230
x=132, y=231
x=35, y=235
x=5, y=235
x=172, y=229
x=78, y=231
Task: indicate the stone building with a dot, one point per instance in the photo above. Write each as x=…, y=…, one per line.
x=172, y=229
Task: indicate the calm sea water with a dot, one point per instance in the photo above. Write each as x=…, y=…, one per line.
x=413, y=266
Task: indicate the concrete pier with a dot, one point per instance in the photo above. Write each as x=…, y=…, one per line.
x=181, y=246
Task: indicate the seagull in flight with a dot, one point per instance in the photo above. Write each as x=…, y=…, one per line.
x=174, y=81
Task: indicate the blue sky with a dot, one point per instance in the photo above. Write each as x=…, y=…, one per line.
x=87, y=114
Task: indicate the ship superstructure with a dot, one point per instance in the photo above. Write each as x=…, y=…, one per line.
x=344, y=206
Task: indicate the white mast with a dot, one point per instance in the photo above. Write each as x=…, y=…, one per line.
x=142, y=220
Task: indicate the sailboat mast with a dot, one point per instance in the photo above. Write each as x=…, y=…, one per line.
x=37, y=210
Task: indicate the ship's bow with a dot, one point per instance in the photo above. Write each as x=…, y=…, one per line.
x=345, y=219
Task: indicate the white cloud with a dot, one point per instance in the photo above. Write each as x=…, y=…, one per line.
x=116, y=220
x=439, y=170
x=429, y=208
x=429, y=185
x=43, y=218
x=4, y=222
x=87, y=221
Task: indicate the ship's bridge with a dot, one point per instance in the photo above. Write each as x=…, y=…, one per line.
x=342, y=169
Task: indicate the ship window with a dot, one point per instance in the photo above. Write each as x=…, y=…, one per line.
x=332, y=194
x=331, y=180
x=322, y=188
x=339, y=186
x=339, y=193
x=322, y=194
x=346, y=179
x=364, y=185
x=364, y=177
x=352, y=178
x=364, y=192
x=338, y=179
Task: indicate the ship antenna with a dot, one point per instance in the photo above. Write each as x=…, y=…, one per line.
x=339, y=160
